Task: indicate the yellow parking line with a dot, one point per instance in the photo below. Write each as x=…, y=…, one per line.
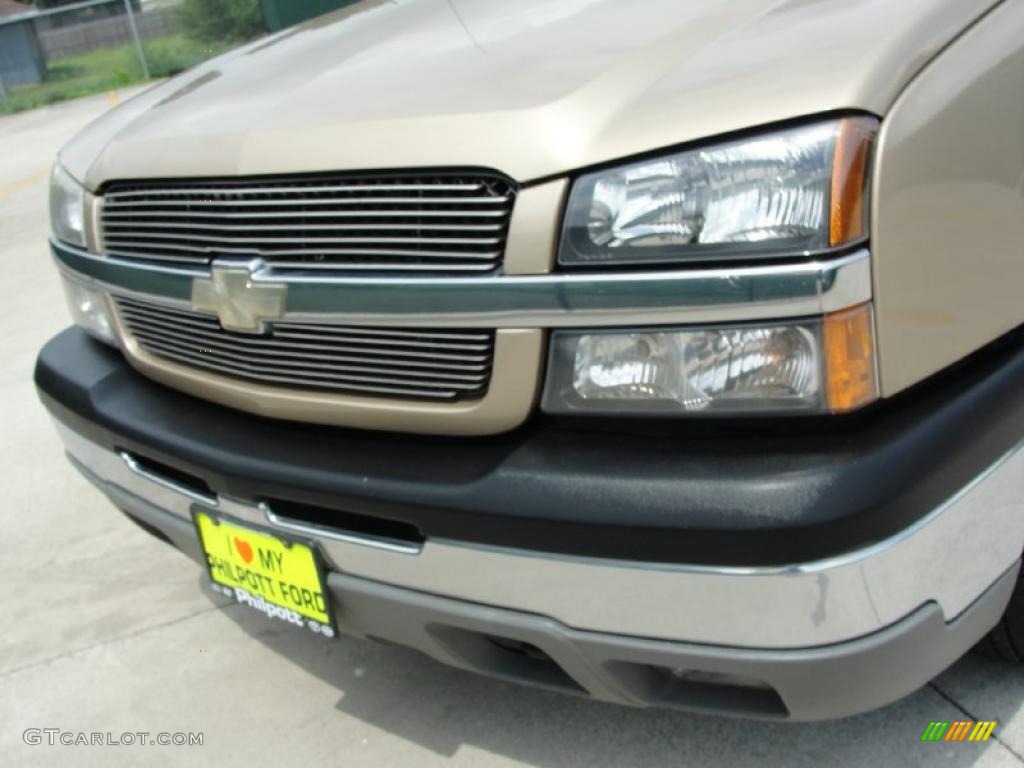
x=21, y=184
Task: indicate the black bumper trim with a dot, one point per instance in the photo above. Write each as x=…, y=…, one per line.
x=769, y=493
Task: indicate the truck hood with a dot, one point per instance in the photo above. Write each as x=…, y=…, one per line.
x=533, y=88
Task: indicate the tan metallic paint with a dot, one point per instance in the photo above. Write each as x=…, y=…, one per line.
x=948, y=219
x=93, y=229
x=533, y=88
x=532, y=243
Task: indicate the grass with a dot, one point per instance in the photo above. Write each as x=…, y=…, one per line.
x=109, y=68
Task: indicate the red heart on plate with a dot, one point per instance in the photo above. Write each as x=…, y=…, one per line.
x=244, y=549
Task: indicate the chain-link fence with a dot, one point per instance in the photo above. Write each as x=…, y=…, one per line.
x=51, y=50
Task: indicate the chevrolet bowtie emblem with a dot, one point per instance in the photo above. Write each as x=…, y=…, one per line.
x=239, y=303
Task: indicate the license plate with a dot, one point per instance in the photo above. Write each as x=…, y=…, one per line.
x=277, y=576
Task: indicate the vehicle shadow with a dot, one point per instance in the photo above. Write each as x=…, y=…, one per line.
x=442, y=709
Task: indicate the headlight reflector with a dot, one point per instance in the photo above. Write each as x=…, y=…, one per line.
x=791, y=191
x=811, y=366
x=89, y=310
x=67, y=207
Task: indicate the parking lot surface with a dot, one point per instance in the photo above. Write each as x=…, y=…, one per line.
x=107, y=630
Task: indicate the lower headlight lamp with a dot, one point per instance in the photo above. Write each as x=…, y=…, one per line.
x=820, y=365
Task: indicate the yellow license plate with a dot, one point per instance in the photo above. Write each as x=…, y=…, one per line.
x=276, y=576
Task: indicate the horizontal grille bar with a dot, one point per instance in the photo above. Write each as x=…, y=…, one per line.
x=384, y=222
x=428, y=364
x=263, y=241
x=229, y=202
x=163, y=227
x=117, y=215
x=299, y=263
x=213, y=190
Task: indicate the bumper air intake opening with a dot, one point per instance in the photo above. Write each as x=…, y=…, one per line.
x=506, y=657
x=700, y=690
x=381, y=529
x=168, y=475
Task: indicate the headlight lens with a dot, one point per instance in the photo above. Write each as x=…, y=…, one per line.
x=67, y=207
x=813, y=366
x=790, y=191
x=89, y=311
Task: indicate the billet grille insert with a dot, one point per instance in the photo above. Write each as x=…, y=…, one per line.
x=421, y=364
x=444, y=222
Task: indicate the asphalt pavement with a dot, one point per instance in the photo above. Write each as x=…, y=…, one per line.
x=106, y=630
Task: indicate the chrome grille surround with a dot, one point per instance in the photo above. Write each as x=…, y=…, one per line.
x=384, y=222
x=416, y=363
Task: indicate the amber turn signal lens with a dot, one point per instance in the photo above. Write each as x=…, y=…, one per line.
x=848, y=212
x=850, y=376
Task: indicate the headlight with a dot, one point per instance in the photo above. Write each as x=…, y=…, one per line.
x=782, y=193
x=89, y=311
x=67, y=207
x=814, y=366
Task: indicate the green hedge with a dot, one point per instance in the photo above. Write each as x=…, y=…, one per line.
x=222, y=20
